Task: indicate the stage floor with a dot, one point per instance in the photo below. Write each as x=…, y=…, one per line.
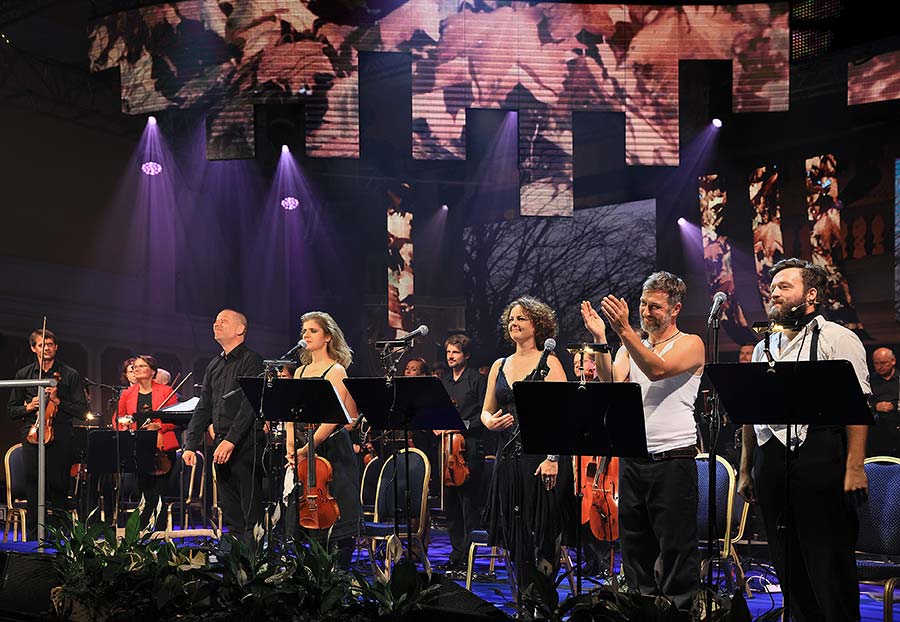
x=487, y=587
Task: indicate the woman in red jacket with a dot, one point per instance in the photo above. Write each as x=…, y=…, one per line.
x=145, y=396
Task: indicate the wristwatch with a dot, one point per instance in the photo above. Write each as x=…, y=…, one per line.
x=553, y=457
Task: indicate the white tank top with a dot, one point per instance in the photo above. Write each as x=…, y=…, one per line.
x=668, y=406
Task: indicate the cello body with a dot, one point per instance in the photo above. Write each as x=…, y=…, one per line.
x=600, y=501
x=456, y=471
x=317, y=508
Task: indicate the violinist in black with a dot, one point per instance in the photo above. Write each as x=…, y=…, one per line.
x=462, y=505
x=69, y=398
x=531, y=500
x=327, y=356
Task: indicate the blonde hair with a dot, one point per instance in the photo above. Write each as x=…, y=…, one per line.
x=337, y=347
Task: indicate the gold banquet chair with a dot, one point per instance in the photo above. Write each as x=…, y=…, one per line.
x=14, y=466
x=731, y=517
x=380, y=531
x=878, y=542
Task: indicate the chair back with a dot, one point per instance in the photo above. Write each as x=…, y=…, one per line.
x=419, y=473
x=368, y=489
x=14, y=466
x=879, y=519
x=725, y=490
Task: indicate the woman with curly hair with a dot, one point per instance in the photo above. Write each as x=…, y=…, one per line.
x=531, y=498
x=327, y=355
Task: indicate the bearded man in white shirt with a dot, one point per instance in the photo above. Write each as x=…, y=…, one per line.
x=827, y=474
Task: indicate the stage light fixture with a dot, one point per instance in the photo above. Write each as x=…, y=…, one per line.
x=151, y=120
x=151, y=168
x=290, y=203
x=445, y=207
x=285, y=149
x=717, y=122
x=682, y=221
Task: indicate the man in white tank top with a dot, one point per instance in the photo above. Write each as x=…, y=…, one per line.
x=657, y=494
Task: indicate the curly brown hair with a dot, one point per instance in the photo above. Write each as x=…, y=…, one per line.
x=541, y=315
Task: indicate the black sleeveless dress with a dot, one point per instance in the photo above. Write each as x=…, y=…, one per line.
x=344, y=487
x=521, y=515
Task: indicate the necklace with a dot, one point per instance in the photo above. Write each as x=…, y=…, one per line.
x=653, y=345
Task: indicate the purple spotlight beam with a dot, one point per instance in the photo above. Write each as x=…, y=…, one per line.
x=290, y=203
x=151, y=168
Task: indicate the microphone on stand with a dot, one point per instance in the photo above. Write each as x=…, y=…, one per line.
x=301, y=345
x=542, y=367
x=716, y=310
x=421, y=331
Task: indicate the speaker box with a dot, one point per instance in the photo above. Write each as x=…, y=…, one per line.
x=454, y=603
x=25, y=583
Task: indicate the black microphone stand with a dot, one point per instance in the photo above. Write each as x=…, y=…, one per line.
x=391, y=353
x=714, y=423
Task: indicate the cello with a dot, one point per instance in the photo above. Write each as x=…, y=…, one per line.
x=317, y=508
x=600, y=498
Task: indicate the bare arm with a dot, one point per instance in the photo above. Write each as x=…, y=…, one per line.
x=491, y=416
x=855, y=477
x=607, y=369
x=745, y=478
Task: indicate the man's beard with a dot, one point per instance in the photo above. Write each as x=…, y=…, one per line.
x=785, y=312
x=654, y=325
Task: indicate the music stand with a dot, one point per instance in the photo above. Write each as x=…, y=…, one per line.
x=597, y=418
x=789, y=393
x=179, y=414
x=112, y=452
x=404, y=403
x=308, y=401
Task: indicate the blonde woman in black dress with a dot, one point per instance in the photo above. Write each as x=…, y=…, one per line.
x=327, y=355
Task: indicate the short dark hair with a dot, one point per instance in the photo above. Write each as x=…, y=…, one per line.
x=667, y=283
x=48, y=334
x=151, y=362
x=813, y=276
x=460, y=341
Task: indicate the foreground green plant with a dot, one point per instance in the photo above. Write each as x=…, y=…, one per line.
x=135, y=578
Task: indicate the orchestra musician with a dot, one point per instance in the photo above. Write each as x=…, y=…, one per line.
x=239, y=439
x=145, y=396
x=327, y=355
x=462, y=506
x=531, y=500
x=68, y=397
x=657, y=494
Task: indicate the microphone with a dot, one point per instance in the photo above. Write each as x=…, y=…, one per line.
x=716, y=310
x=542, y=367
x=402, y=342
x=421, y=331
x=301, y=345
x=90, y=382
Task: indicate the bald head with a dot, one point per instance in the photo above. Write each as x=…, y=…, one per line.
x=230, y=329
x=884, y=361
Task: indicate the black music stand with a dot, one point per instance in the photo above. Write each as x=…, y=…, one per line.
x=404, y=403
x=790, y=393
x=308, y=401
x=588, y=419
x=111, y=452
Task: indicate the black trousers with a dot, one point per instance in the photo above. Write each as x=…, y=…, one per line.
x=241, y=494
x=153, y=489
x=58, y=461
x=658, y=527
x=823, y=527
x=463, y=506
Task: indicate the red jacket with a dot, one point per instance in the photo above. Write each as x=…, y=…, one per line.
x=128, y=406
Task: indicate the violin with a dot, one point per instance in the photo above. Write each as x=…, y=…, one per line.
x=317, y=508
x=456, y=471
x=50, y=410
x=600, y=497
